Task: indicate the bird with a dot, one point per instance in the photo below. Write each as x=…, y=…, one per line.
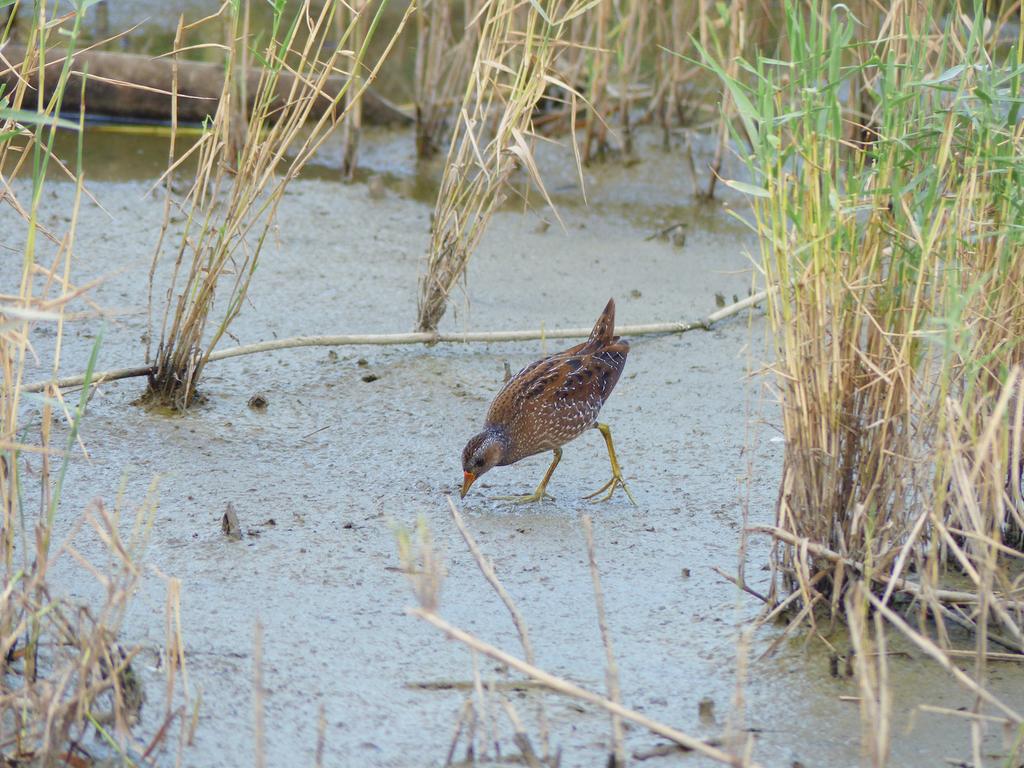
x=549, y=403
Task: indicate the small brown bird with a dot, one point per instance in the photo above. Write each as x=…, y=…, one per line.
x=549, y=403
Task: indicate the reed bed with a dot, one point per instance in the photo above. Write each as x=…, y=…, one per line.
x=245, y=162
x=884, y=168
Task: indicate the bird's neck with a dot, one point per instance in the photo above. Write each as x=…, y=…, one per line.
x=499, y=435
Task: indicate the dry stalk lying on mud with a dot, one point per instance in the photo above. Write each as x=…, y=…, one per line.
x=487, y=569
x=424, y=571
x=872, y=674
x=566, y=688
x=390, y=339
x=244, y=165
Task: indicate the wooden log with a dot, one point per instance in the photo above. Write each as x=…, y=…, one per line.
x=137, y=87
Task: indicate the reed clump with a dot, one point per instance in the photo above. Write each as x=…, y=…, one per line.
x=885, y=167
x=494, y=135
x=885, y=163
x=245, y=162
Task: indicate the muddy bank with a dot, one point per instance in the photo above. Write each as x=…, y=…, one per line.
x=336, y=462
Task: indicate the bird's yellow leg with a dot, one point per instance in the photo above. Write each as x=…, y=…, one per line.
x=541, y=491
x=617, y=478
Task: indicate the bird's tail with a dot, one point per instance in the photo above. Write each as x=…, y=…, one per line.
x=604, y=328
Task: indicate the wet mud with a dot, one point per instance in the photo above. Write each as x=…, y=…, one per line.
x=348, y=444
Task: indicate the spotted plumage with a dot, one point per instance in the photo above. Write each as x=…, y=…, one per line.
x=549, y=403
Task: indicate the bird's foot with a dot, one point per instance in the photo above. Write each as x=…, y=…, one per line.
x=610, y=487
x=539, y=495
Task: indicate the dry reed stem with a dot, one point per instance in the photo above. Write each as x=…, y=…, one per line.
x=567, y=688
x=464, y=714
x=321, y=736
x=520, y=737
x=487, y=569
x=738, y=738
x=871, y=669
x=617, y=759
x=352, y=127
x=963, y=714
x=428, y=338
x=441, y=70
x=735, y=27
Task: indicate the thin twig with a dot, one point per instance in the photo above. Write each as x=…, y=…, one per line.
x=612, y=669
x=464, y=714
x=741, y=585
x=321, y=736
x=520, y=737
x=566, y=688
x=961, y=713
x=990, y=655
x=392, y=339
x=487, y=569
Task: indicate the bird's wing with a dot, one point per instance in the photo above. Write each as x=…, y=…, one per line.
x=575, y=380
x=594, y=375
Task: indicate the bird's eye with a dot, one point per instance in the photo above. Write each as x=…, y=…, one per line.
x=478, y=463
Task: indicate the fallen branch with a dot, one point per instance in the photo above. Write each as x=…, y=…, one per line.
x=129, y=85
x=394, y=339
x=739, y=584
x=560, y=685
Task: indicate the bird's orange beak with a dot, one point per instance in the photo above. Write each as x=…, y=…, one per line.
x=468, y=479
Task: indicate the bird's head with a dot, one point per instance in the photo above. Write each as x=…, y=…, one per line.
x=483, y=451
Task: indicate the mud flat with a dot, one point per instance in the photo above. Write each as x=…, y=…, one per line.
x=354, y=442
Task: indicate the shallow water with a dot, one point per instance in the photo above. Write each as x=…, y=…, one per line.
x=337, y=462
